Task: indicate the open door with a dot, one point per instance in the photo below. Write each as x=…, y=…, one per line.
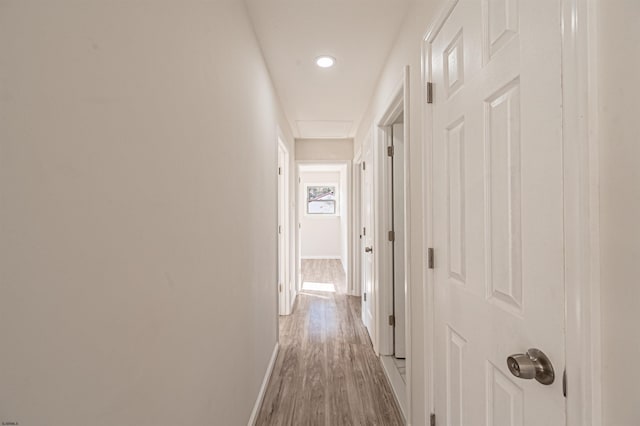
x=497, y=166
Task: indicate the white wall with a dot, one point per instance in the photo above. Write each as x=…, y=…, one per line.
x=407, y=51
x=619, y=106
x=321, y=236
x=324, y=149
x=137, y=190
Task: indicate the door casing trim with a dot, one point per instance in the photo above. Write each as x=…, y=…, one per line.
x=582, y=221
x=348, y=164
x=399, y=103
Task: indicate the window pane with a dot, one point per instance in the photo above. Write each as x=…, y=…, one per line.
x=321, y=200
x=321, y=207
x=321, y=193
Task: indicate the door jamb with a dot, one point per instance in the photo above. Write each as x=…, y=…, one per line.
x=427, y=205
x=581, y=201
x=427, y=200
x=398, y=104
x=582, y=221
x=348, y=232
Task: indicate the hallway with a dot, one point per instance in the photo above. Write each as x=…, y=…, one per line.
x=326, y=372
x=473, y=164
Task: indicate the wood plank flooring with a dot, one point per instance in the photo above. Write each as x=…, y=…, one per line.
x=327, y=372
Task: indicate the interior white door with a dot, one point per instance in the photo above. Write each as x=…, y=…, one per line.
x=497, y=211
x=283, y=264
x=367, y=241
x=399, y=290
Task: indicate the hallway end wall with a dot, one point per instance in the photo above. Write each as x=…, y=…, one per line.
x=138, y=187
x=321, y=234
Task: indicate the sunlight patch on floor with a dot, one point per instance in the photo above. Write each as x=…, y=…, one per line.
x=326, y=287
x=314, y=295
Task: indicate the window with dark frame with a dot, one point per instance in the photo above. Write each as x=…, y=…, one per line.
x=321, y=200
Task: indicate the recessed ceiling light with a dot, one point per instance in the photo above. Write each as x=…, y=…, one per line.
x=325, y=61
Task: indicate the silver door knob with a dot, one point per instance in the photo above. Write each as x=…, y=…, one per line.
x=532, y=365
x=368, y=249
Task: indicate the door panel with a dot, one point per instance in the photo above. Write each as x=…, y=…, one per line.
x=283, y=268
x=498, y=211
x=399, y=291
x=367, y=241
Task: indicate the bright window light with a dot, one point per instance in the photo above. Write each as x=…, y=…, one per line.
x=321, y=200
x=325, y=61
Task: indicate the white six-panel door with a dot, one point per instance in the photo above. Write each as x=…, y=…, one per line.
x=497, y=211
x=366, y=244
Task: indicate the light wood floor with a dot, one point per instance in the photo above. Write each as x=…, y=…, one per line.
x=326, y=372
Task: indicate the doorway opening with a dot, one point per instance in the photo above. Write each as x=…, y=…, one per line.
x=324, y=220
x=393, y=257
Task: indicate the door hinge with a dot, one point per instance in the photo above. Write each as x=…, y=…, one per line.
x=279, y=229
x=279, y=171
x=392, y=236
x=390, y=151
x=365, y=296
x=364, y=166
x=432, y=420
x=364, y=232
x=429, y=92
x=392, y=321
x=280, y=288
x=564, y=383
x=430, y=258
x=299, y=180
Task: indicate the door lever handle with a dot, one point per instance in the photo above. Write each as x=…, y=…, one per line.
x=368, y=249
x=532, y=365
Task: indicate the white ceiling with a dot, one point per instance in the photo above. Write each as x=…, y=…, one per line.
x=326, y=103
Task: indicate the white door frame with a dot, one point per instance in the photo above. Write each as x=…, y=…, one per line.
x=348, y=199
x=581, y=201
x=383, y=248
x=582, y=220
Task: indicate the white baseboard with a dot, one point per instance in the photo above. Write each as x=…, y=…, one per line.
x=395, y=380
x=263, y=388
